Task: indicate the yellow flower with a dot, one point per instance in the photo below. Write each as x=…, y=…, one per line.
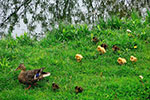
x=129, y=35
x=135, y=47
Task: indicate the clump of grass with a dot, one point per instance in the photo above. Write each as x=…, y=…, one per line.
x=71, y=32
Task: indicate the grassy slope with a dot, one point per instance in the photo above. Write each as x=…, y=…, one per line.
x=117, y=82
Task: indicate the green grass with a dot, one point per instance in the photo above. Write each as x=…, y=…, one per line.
x=57, y=53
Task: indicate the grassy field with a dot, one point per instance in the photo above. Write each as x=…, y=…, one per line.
x=101, y=77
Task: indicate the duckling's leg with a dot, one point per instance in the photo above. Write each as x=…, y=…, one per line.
x=28, y=87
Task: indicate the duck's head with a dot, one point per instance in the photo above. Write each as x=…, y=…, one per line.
x=76, y=87
x=21, y=67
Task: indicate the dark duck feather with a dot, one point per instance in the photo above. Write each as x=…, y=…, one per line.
x=30, y=77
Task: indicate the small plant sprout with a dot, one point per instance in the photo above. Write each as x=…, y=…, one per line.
x=133, y=59
x=101, y=49
x=121, y=60
x=78, y=57
x=101, y=74
x=128, y=30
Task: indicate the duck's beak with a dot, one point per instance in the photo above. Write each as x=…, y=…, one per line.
x=16, y=69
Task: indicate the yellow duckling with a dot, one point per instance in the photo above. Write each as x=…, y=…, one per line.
x=133, y=59
x=121, y=60
x=101, y=49
x=78, y=57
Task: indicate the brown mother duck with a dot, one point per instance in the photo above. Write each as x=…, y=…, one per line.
x=30, y=77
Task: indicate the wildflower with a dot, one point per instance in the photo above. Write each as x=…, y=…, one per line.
x=128, y=30
x=141, y=77
x=135, y=47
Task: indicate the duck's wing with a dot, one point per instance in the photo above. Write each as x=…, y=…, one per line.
x=33, y=76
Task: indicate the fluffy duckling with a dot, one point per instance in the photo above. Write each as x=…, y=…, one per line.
x=105, y=46
x=101, y=49
x=95, y=39
x=121, y=60
x=78, y=57
x=78, y=89
x=115, y=48
x=55, y=86
x=133, y=59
